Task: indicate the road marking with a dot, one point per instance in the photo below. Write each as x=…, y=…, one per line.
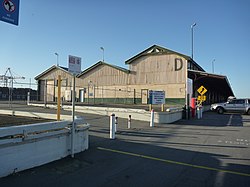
x=230, y=120
x=235, y=142
x=173, y=162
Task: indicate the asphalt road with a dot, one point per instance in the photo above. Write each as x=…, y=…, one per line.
x=212, y=151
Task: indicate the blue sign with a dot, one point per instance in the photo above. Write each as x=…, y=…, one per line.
x=9, y=11
x=156, y=97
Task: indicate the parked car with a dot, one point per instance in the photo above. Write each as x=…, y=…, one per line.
x=232, y=105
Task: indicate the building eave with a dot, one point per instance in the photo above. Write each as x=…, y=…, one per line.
x=50, y=69
x=102, y=63
x=159, y=50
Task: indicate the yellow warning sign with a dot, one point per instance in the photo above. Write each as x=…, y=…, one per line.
x=202, y=90
x=202, y=98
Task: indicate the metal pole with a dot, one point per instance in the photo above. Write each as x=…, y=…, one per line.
x=192, y=35
x=112, y=127
x=116, y=123
x=129, y=121
x=11, y=93
x=57, y=62
x=45, y=94
x=73, y=117
x=152, y=118
x=88, y=93
x=28, y=98
x=59, y=98
x=102, y=53
x=94, y=93
x=192, y=38
x=213, y=65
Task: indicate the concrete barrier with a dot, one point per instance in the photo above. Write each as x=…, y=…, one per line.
x=34, y=114
x=168, y=117
x=26, y=146
x=136, y=114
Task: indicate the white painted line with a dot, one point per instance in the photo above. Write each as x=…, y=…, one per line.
x=230, y=120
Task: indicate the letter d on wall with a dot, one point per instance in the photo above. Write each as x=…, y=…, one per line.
x=178, y=64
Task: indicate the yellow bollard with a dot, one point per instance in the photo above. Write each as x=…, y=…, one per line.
x=162, y=107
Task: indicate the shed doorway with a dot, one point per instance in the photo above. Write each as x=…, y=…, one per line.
x=144, y=96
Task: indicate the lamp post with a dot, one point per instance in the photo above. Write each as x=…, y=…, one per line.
x=57, y=56
x=102, y=53
x=192, y=33
x=213, y=65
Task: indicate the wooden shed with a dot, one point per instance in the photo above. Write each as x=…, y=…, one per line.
x=155, y=68
x=105, y=83
x=48, y=82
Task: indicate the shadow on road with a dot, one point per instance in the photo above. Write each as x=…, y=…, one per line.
x=121, y=163
x=214, y=119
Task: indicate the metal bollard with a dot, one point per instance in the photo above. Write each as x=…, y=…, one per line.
x=199, y=112
x=28, y=98
x=112, y=127
x=116, y=123
x=152, y=118
x=129, y=121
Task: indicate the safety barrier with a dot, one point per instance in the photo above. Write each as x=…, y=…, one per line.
x=26, y=146
x=170, y=116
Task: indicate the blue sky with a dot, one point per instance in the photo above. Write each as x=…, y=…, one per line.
x=125, y=28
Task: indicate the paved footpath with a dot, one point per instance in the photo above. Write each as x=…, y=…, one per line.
x=213, y=151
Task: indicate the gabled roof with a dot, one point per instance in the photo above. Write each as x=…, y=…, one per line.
x=50, y=69
x=155, y=50
x=102, y=63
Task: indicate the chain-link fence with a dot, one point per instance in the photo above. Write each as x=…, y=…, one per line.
x=90, y=94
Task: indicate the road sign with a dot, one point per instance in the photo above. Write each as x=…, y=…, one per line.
x=74, y=65
x=9, y=11
x=202, y=90
x=202, y=98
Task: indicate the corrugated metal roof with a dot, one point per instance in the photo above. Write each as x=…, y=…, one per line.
x=220, y=82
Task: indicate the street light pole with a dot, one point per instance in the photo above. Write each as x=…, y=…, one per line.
x=57, y=56
x=192, y=33
x=213, y=65
x=102, y=53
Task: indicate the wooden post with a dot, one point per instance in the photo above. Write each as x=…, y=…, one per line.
x=150, y=107
x=162, y=107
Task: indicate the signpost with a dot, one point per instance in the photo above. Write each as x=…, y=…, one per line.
x=201, y=98
x=74, y=65
x=156, y=97
x=74, y=68
x=9, y=11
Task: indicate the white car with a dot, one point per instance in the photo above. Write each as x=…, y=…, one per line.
x=233, y=105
